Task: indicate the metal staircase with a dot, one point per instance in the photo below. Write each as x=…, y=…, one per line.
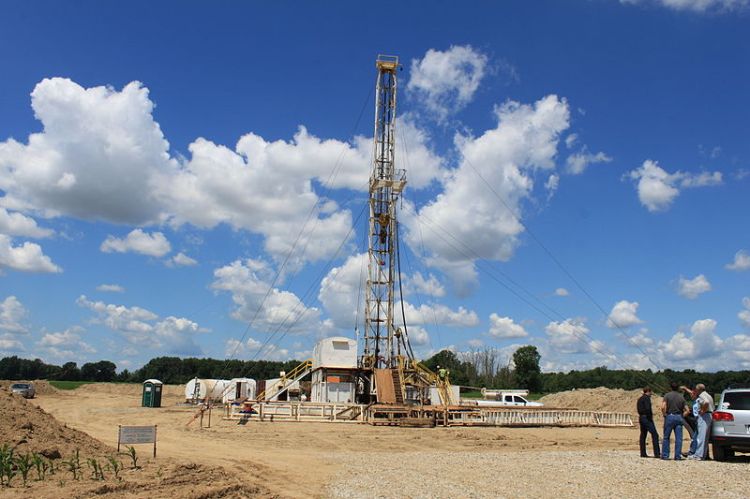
x=443, y=385
x=288, y=380
x=398, y=386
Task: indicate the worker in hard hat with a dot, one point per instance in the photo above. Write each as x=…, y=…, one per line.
x=442, y=373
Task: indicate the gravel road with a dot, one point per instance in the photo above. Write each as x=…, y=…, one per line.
x=580, y=474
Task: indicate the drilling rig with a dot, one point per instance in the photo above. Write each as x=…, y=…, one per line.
x=388, y=371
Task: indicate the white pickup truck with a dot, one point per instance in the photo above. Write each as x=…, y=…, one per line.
x=503, y=398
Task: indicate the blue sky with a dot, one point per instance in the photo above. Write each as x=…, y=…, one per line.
x=578, y=177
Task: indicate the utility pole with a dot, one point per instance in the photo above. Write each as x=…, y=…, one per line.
x=386, y=185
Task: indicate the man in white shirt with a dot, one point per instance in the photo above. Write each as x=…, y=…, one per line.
x=704, y=422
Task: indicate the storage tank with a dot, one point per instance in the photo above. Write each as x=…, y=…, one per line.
x=198, y=390
x=195, y=390
x=240, y=389
x=337, y=351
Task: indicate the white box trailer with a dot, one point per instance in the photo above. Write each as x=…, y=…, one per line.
x=333, y=386
x=239, y=389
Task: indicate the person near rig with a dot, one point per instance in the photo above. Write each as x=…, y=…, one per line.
x=646, y=422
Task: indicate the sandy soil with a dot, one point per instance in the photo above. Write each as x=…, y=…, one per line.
x=27, y=430
x=329, y=460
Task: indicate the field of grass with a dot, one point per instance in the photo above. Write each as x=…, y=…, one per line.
x=68, y=385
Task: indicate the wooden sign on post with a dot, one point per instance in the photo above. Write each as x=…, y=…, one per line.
x=136, y=435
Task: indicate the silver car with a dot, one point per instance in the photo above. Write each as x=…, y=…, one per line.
x=26, y=390
x=731, y=424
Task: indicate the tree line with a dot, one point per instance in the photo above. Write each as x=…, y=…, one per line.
x=481, y=368
x=170, y=370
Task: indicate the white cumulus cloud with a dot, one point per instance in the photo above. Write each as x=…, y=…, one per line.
x=561, y=292
x=469, y=220
x=343, y=289
x=429, y=285
x=428, y=313
x=182, y=260
x=110, y=288
x=175, y=335
x=102, y=156
x=701, y=343
x=577, y=163
x=744, y=315
x=252, y=347
x=698, y=6
x=624, y=314
x=138, y=241
x=569, y=336
x=12, y=315
x=741, y=261
x=504, y=328
x=269, y=310
x=446, y=81
x=692, y=288
x=65, y=345
x=418, y=336
x=10, y=344
x=17, y=224
x=657, y=189
x=28, y=257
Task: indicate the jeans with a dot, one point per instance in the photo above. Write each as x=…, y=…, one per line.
x=704, y=421
x=672, y=422
x=647, y=426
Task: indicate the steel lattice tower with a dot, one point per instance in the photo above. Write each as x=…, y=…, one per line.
x=386, y=185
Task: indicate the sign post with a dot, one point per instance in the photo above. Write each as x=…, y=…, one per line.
x=136, y=435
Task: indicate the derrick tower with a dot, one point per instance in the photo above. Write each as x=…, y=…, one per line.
x=382, y=339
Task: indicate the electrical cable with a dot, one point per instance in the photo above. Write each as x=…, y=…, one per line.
x=301, y=303
x=580, y=335
x=557, y=262
x=327, y=186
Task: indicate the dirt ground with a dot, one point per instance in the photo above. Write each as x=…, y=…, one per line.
x=352, y=460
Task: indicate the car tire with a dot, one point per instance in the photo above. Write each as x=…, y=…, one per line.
x=719, y=452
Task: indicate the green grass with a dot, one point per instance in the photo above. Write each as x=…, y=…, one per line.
x=68, y=385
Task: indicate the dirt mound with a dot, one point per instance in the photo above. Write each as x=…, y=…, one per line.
x=26, y=427
x=599, y=399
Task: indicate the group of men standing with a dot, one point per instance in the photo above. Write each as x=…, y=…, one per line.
x=675, y=411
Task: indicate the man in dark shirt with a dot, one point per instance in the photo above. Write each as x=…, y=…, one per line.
x=672, y=408
x=646, y=421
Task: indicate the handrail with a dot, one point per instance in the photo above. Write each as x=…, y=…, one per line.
x=289, y=377
x=443, y=385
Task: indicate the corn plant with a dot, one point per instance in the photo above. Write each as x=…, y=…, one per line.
x=96, y=469
x=115, y=466
x=40, y=464
x=3, y=453
x=133, y=457
x=24, y=464
x=74, y=464
x=7, y=468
